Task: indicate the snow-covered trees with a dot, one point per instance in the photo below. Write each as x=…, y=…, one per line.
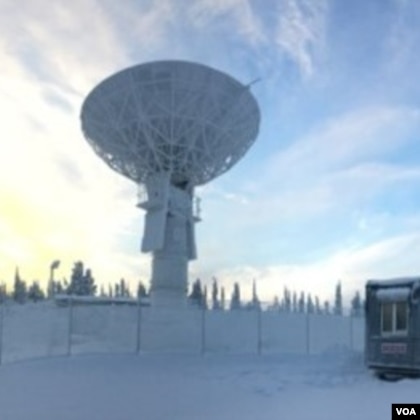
x=287, y=301
x=3, y=292
x=123, y=289
x=141, y=290
x=196, y=295
x=294, y=302
x=222, y=298
x=35, y=292
x=356, y=305
x=81, y=282
x=255, y=303
x=301, y=303
x=215, y=294
x=310, y=308
x=338, y=302
x=318, y=309
x=235, y=302
x=20, y=292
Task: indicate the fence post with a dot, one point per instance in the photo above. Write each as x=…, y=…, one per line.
x=70, y=326
x=138, y=339
x=308, y=334
x=1, y=331
x=259, y=332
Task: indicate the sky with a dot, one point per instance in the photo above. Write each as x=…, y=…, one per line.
x=327, y=193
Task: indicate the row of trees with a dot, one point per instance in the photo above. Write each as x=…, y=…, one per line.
x=290, y=301
x=82, y=283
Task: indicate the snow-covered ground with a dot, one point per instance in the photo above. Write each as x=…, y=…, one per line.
x=191, y=365
x=163, y=386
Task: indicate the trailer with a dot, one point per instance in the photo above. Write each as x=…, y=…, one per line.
x=392, y=341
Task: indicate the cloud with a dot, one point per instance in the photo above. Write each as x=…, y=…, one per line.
x=362, y=134
x=403, y=36
x=300, y=32
x=319, y=206
x=43, y=42
x=248, y=23
x=346, y=154
x=353, y=266
x=59, y=199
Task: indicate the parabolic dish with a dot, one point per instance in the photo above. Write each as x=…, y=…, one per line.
x=176, y=116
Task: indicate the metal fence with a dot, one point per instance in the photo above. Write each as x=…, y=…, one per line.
x=46, y=329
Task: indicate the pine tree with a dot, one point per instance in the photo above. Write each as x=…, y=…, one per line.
x=214, y=295
x=117, y=290
x=222, y=298
x=76, y=280
x=301, y=303
x=204, y=300
x=318, y=309
x=235, y=301
x=196, y=295
x=89, y=284
x=124, y=290
x=338, y=302
x=19, y=289
x=3, y=293
x=35, y=293
x=276, y=304
x=255, y=301
x=287, y=304
x=326, y=307
x=356, y=305
x=310, y=308
x=295, y=302
x=81, y=283
x=141, y=290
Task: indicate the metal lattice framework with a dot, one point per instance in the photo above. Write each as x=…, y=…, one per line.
x=171, y=116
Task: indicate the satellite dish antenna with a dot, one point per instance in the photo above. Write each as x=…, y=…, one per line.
x=170, y=126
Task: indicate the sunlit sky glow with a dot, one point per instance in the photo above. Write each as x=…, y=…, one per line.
x=329, y=191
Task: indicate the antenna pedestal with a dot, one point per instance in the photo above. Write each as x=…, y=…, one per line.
x=169, y=280
x=170, y=263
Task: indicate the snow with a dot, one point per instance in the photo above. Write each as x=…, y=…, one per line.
x=393, y=293
x=186, y=365
x=168, y=386
x=394, y=281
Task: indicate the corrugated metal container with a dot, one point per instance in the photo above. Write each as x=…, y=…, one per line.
x=392, y=344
